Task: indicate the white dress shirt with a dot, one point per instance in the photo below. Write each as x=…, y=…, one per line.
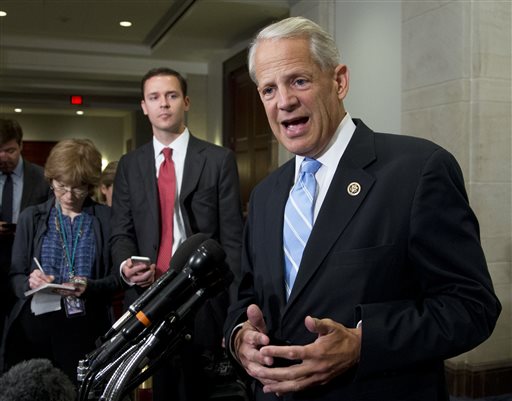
x=330, y=160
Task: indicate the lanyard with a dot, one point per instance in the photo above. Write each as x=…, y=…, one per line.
x=70, y=258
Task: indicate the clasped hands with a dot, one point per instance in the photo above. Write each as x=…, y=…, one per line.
x=335, y=350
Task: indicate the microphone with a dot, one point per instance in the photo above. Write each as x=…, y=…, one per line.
x=178, y=261
x=203, y=268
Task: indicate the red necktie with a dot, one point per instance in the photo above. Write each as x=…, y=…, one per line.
x=167, y=194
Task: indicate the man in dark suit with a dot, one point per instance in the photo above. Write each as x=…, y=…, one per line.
x=22, y=184
x=206, y=200
x=29, y=185
x=390, y=278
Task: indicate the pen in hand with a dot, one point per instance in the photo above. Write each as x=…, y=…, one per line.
x=37, y=280
x=39, y=265
x=46, y=278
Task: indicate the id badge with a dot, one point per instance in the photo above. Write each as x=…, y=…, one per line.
x=74, y=306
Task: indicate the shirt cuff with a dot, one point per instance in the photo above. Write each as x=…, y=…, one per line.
x=129, y=283
x=231, y=342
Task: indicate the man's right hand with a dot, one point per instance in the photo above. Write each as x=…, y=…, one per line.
x=37, y=278
x=249, y=339
x=138, y=273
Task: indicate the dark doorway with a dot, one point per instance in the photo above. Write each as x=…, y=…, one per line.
x=246, y=129
x=37, y=151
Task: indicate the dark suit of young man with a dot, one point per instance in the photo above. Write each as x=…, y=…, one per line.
x=209, y=200
x=210, y=204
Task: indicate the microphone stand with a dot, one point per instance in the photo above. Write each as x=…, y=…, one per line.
x=116, y=386
x=150, y=346
x=94, y=378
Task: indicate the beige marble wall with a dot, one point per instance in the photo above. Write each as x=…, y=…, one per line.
x=457, y=83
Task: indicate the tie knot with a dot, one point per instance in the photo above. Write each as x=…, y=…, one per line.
x=167, y=153
x=310, y=165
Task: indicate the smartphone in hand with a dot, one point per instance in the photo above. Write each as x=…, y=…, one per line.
x=141, y=259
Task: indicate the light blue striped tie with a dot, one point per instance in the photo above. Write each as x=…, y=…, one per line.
x=298, y=219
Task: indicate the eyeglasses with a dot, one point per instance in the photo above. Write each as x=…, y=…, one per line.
x=62, y=190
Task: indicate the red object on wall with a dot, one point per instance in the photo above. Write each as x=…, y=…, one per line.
x=76, y=100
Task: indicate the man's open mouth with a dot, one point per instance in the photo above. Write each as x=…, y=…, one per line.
x=295, y=122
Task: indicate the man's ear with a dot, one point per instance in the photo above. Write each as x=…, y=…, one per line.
x=143, y=106
x=187, y=103
x=341, y=77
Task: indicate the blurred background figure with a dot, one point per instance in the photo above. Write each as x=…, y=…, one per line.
x=21, y=184
x=36, y=380
x=107, y=183
x=68, y=234
x=105, y=191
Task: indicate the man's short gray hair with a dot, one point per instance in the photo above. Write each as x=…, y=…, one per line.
x=322, y=46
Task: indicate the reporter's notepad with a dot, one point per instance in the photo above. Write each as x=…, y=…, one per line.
x=50, y=288
x=45, y=298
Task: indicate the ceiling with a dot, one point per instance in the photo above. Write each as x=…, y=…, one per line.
x=51, y=49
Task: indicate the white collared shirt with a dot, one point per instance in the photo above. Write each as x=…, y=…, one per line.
x=330, y=160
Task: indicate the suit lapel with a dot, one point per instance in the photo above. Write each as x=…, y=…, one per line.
x=194, y=163
x=273, y=232
x=146, y=165
x=339, y=205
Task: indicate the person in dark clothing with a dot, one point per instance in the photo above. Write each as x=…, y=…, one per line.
x=22, y=184
x=67, y=235
x=362, y=268
x=168, y=189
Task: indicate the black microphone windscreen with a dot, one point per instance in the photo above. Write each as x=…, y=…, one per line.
x=180, y=257
x=208, y=255
x=215, y=250
x=36, y=379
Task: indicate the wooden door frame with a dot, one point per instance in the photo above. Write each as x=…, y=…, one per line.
x=239, y=60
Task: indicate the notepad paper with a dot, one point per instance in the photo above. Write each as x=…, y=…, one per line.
x=50, y=288
x=43, y=302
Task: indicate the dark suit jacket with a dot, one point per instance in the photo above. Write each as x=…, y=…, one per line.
x=35, y=186
x=210, y=204
x=35, y=191
x=403, y=256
